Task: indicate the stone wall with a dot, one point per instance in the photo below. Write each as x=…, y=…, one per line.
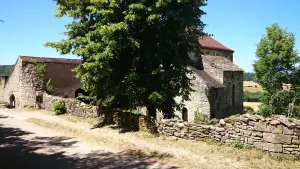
x=226, y=54
x=11, y=85
x=233, y=93
x=73, y=106
x=277, y=134
x=30, y=83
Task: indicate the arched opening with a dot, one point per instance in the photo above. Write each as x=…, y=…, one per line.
x=185, y=114
x=12, y=101
x=79, y=93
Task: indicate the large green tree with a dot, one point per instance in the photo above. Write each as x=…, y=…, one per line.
x=276, y=64
x=134, y=52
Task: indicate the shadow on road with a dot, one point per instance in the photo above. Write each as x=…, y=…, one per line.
x=18, y=153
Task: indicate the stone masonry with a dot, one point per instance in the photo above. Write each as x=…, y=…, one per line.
x=24, y=82
x=277, y=134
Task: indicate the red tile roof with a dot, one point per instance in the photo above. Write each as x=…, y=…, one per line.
x=50, y=60
x=207, y=42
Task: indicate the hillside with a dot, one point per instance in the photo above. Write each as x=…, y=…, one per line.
x=5, y=69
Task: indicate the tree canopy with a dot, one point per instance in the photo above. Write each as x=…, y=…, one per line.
x=249, y=76
x=5, y=69
x=278, y=63
x=134, y=52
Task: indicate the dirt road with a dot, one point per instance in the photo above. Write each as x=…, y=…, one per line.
x=27, y=146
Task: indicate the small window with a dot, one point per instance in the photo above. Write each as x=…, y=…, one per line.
x=185, y=114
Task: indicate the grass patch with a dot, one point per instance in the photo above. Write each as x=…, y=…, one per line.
x=253, y=89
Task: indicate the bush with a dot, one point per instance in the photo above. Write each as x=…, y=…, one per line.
x=60, y=108
x=253, y=97
x=200, y=116
x=213, y=121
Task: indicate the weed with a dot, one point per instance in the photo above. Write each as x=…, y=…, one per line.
x=60, y=107
x=49, y=88
x=238, y=144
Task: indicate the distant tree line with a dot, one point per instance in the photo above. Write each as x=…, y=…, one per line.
x=5, y=69
x=249, y=76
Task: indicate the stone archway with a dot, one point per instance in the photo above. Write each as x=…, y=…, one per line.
x=12, y=101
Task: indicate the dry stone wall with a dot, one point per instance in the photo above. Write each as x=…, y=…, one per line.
x=277, y=134
x=73, y=106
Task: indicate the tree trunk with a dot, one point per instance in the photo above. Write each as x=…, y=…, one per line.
x=168, y=110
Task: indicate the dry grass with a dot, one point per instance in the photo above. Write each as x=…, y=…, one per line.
x=253, y=89
x=182, y=153
x=254, y=105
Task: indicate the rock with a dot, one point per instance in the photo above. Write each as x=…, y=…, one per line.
x=261, y=127
x=222, y=123
x=276, y=130
x=296, y=141
x=219, y=129
x=257, y=134
x=275, y=122
x=277, y=138
x=180, y=125
x=290, y=146
x=287, y=131
x=276, y=148
x=285, y=122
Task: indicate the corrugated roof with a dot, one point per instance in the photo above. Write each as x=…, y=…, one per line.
x=207, y=42
x=220, y=62
x=50, y=60
x=205, y=78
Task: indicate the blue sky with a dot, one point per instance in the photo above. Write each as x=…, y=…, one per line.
x=238, y=24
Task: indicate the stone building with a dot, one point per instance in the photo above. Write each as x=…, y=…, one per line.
x=217, y=82
x=30, y=75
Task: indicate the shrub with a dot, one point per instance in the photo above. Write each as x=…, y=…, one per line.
x=213, y=121
x=49, y=88
x=253, y=97
x=200, y=116
x=60, y=108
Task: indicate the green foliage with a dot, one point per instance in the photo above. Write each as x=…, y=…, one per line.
x=6, y=69
x=238, y=144
x=60, y=107
x=253, y=96
x=40, y=68
x=213, y=121
x=134, y=53
x=200, y=116
x=278, y=63
x=49, y=87
x=249, y=76
x=137, y=111
x=85, y=99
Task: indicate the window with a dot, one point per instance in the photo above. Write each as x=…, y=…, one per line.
x=233, y=95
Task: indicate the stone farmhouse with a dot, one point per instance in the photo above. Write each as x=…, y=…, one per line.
x=218, y=83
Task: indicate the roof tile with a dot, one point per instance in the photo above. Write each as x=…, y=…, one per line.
x=207, y=42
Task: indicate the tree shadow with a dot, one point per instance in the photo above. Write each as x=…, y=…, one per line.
x=17, y=152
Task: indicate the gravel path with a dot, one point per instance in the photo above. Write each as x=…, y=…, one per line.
x=24, y=145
